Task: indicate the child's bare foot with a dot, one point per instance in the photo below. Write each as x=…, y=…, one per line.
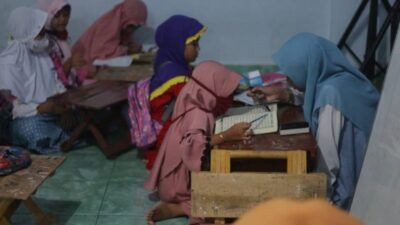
x=164, y=211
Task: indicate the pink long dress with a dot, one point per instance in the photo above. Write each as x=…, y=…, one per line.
x=186, y=139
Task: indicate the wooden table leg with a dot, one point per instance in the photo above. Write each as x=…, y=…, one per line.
x=40, y=216
x=77, y=133
x=297, y=162
x=4, y=206
x=220, y=161
x=11, y=209
x=219, y=221
x=4, y=221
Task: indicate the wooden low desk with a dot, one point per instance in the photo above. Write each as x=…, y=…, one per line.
x=222, y=193
x=21, y=185
x=295, y=148
x=89, y=100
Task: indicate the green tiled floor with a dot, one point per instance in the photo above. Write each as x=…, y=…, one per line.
x=89, y=189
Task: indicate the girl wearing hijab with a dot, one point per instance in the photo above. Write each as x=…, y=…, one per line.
x=178, y=45
x=56, y=28
x=339, y=103
x=27, y=72
x=111, y=35
x=188, y=142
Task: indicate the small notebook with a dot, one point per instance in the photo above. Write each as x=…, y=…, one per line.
x=294, y=128
x=262, y=121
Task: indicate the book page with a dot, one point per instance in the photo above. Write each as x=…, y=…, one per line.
x=122, y=61
x=262, y=121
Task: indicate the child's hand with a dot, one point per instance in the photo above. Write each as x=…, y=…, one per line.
x=239, y=131
x=270, y=94
x=51, y=107
x=77, y=61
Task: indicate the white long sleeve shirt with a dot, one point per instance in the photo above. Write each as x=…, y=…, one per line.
x=330, y=124
x=30, y=109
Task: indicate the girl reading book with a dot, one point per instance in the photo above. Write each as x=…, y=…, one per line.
x=189, y=138
x=339, y=104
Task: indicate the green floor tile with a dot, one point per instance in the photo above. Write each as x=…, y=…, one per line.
x=126, y=170
x=71, y=197
x=126, y=197
x=84, y=164
x=60, y=220
x=76, y=220
x=17, y=219
x=89, y=150
x=89, y=189
x=127, y=156
x=120, y=220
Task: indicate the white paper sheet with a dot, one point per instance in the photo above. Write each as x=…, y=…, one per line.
x=243, y=97
x=122, y=61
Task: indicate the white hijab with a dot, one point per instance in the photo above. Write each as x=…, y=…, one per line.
x=29, y=76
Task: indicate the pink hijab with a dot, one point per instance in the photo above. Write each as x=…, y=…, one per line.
x=102, y=39
x=192, y=112
x=52, y=7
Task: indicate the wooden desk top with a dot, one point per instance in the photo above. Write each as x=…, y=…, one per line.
x=23, y=183
x=274, y=141
x=98, y=95
x=132, y=73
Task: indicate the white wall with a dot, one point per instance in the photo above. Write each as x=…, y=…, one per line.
x=240, y=31
x=342, y=12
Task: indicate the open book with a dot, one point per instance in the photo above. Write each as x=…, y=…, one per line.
x=262, y=121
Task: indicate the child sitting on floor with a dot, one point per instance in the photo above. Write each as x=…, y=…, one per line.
x=111, y=35
x=178, y=41
x=27, y=72
x=56, y=29
x=207, y=95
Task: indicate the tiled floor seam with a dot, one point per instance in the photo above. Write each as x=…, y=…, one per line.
x=105, y=192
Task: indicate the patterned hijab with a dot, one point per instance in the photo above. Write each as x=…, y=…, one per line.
x=171, y=37
x=318, y=67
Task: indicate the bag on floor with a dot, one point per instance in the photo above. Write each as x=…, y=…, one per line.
x=13, y=159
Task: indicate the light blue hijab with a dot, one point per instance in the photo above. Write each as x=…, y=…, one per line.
x=320, y=69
